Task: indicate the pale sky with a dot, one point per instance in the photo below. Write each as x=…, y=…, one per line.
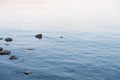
x=61, y=12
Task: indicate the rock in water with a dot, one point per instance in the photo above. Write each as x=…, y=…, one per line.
x=13, y=57
x=30, y=49
x=61, y=36
x=5, y=52
x=26, y=72
x=1, y=38
x=8, y=39
x=1, y=48
x=39, y=36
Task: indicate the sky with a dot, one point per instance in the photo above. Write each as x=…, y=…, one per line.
x=60, y=13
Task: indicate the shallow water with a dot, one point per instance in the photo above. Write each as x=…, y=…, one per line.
x=77, y=56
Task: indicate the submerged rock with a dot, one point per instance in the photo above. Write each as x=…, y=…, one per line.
x=39, y=36
x=61, y=36
x=13, y=57
x=26, y=72
x=5, y=52
x=8, y=39
x=30, y=49
x=1, y=48
x=1, y=38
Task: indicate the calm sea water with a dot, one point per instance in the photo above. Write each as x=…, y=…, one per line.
x=89, y=49
x=77, y=56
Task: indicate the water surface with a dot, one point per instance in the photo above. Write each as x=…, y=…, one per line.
x=79, y=55
x=89, y=49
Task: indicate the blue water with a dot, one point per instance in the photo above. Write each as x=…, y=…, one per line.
x=77, y=56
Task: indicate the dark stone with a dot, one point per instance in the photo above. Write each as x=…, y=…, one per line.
x=8, y=39
x=1, y=48
x=13, y=57
x=26, y=72
x=5, y=52
x=61, y=36
x=38, y=36
x=30, y=49
x=1, y=38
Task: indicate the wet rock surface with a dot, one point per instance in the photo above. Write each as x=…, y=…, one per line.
x=61, y=36
x=39, y=36
x=13, y=57
x=26, y=72
x=5, y=52
x=1, y=48
x=1, y=38
x=30, y=49
x=8, y=39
